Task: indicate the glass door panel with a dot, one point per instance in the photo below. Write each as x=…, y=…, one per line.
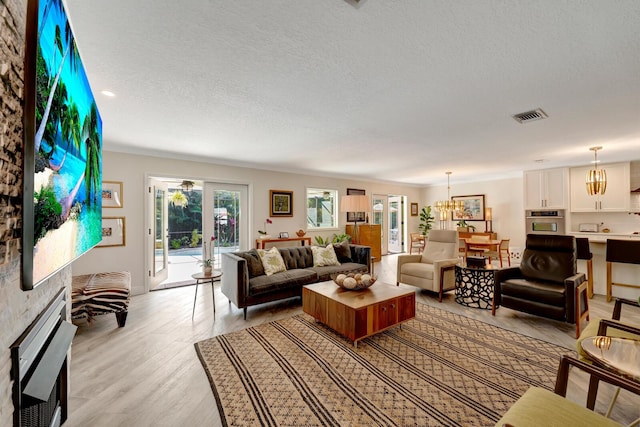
x=224, y=212
x=158, y=231
x=395, y=224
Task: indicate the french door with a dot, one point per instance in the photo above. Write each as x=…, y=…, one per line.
x=395, y=222
x=225, y=216
x=157, y=231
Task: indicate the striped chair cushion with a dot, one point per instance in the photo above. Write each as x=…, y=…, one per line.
x=100, y=293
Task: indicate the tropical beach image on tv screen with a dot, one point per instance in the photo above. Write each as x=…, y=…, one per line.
x=68, y=149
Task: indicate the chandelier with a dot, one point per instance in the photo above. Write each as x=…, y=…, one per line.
x=596, y=178
x=446, y=206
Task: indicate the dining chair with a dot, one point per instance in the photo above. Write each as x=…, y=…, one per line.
x=478, y=250
x=417, y=242
x=502, y=250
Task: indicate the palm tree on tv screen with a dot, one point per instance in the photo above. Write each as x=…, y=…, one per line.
x=68, y=50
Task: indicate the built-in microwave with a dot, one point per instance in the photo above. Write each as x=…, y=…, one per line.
x=545, y=221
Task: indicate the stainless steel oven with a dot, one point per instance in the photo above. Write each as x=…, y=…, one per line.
x=545, y=221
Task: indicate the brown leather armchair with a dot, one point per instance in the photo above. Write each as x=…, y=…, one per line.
x=546, y=283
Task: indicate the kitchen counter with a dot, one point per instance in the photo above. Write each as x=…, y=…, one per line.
x=602, y=237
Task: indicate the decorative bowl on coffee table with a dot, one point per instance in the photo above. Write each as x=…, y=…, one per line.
x=353, y=281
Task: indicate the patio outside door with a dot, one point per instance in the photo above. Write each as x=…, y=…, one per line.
x=158, y=231
x=395, y=224
x=224, y=214
x=379, y=217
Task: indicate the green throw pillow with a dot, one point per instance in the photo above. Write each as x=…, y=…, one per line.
x=324, y=256
x=272, y=261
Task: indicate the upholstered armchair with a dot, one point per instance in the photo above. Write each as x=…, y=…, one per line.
x=546, y=283
x=433, y=269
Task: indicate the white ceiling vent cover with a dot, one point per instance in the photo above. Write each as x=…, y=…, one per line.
x=530, y=116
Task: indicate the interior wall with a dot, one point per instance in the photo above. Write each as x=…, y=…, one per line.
x=18, y=309
x=133, y=169
x=504, y=196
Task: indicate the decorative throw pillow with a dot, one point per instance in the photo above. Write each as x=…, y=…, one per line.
x=272, y=261
x=343, y=251
x=324, y=256
x=254, y=262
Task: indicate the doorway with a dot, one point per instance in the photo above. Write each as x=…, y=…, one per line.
x=181, y=214
x=388, y=210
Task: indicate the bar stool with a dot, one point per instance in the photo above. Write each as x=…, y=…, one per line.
x=584, y=253
x=624, y=252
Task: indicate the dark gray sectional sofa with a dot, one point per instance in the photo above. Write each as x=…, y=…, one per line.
x=245, y=284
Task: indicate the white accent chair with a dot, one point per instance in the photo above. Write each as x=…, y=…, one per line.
x=433, y=270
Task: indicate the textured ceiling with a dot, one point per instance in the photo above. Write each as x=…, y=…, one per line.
x=397, y=91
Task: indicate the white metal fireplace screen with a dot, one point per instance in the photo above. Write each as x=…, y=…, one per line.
x=39, y=368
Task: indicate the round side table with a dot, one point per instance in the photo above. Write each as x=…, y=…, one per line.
x=204, y=278
x=474, y=286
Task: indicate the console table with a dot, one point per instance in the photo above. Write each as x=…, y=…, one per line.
x=261, y=242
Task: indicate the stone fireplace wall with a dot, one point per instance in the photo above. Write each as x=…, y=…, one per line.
x=17, y=308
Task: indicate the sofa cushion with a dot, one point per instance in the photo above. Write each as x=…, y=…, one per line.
x=343, y=251
x=324, y=273
x=297, y=257
x=254, y=262
x=282, y=280
x=271, y=261
x=324, y=256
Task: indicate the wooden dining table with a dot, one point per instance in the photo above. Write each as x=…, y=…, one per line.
x=489, y=245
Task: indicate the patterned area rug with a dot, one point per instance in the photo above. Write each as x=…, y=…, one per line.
x=438, y=369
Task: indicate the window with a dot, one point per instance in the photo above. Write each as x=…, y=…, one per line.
x=322, y=207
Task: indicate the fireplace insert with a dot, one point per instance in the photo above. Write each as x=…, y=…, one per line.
x=39, y=367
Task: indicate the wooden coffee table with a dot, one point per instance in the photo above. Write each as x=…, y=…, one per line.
x=359, y=314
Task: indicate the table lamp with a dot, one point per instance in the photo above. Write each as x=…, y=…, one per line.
x=355, y=203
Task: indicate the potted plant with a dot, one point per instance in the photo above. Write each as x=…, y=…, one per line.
x=426, y=220
x=463, y=226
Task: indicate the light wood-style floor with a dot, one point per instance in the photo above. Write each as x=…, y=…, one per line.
x=148, y=373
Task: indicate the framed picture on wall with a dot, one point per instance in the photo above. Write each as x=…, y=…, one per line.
x=473, y=208
x=113, y=232
x=355, y=216
x=280, y=203
x=414, y=209
x=112, y=194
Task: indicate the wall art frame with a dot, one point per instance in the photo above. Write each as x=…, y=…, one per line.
x=112, y=195
x=473, y=208
x=113, y=232
x=414, y=209
x=280, y=203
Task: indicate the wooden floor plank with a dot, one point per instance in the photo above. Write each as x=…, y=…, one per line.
x=148, y=373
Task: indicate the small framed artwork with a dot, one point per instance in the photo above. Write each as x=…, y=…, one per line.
x=112, y=194
x=355, y=216
x=473, y=208
x=414, y=209
x=284, y=235
x=281, y=203
x=113, y=232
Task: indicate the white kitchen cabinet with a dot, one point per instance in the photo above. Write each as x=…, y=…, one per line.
x=546, y=189
x=617, y=197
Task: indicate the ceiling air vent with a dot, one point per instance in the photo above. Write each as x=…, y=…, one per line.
x=530, y=116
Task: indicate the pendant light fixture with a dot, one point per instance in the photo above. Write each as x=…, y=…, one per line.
x=446, y=206
x=186, y=185
x=596, y=178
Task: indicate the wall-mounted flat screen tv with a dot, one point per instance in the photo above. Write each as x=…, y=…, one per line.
x=62, y=211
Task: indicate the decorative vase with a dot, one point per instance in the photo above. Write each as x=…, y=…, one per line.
x=265, y=236
x=207, y=269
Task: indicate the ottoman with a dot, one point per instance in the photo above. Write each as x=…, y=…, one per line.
x=101, y=293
